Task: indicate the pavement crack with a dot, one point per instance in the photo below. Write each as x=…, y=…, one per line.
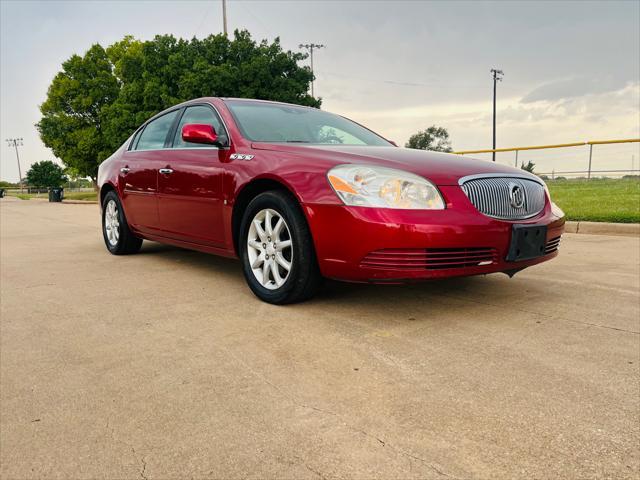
x=144, y=468
x=544, y=315
x=312, y=470
x=606, y=326
x=291, y=398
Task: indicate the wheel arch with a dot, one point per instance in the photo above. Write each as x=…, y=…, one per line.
x=106, y=188
x=247, y=193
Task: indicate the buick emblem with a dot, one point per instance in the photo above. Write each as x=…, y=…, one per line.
x=516, y=195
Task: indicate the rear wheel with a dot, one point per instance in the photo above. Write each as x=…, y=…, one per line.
x=118, y=237
x=276, y=249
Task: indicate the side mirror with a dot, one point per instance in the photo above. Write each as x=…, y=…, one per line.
x=199, y=133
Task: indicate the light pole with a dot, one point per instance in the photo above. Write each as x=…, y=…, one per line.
x=310, y=47
x=224, y=17
x=17, y=142
x=497, y=77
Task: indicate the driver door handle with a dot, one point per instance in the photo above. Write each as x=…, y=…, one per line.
x=166, y=171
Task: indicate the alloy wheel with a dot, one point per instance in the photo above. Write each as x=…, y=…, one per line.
x=112, y=223
x=269, y=247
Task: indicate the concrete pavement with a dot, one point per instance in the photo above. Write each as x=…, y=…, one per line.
x=163, y=365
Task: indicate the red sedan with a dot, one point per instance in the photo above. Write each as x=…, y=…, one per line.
x=300, y=194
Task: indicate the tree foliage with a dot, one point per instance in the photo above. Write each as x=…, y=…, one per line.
x=433, y=138
x=73, y=113
x=99, y=99
x=528, y=167
x=46, y=174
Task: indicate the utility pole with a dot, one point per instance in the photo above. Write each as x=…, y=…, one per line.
x=224, y=17
x=310, y=47
x=17, y=142
x=497, y=77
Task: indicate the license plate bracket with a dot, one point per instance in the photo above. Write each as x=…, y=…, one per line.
x=527, y=242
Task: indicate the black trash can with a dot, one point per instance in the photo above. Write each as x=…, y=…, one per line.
x=1, y=192
x=56, y=194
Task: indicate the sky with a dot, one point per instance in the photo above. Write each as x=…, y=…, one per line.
x=571, y=69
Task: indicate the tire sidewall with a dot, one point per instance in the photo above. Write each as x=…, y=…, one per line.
x=118, y=246
x=299, y=256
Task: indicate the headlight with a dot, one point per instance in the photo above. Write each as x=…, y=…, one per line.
x=555, y=209
x=381, y=187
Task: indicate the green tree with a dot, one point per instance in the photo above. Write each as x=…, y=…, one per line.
x=433, y=138
x=46, y=174
x=528, y=167
x=97, y=101
x=72, y=114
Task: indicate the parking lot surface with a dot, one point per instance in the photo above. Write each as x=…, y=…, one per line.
x=164, y=365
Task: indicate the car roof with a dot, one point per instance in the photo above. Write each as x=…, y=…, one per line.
x=255, y=100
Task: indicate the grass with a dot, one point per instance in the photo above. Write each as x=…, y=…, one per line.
x=89, y=196
x=598, y=200
x=82, y=196
x=26, y=196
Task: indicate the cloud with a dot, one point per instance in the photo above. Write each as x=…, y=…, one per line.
x=608, y=115
x=573, y=87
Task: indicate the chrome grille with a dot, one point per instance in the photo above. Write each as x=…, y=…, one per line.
x=506, y=198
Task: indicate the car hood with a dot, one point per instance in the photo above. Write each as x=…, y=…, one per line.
x=440, y=168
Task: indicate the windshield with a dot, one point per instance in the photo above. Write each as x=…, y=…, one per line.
x=273, y=122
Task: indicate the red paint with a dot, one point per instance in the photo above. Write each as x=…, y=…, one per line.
x=193, y=206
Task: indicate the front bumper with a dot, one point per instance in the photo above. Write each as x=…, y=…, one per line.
x=347, y=238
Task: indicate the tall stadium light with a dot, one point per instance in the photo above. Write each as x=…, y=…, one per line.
x=310, y=47
x=17, y=142
x=224, y=17
x=497, y=77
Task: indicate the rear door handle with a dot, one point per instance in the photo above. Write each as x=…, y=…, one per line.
x=125, y=170
x=166, y=171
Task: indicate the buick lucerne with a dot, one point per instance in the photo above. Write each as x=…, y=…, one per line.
x=299, y=194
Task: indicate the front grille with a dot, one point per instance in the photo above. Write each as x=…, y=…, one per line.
x=429, y=258
x=505, y=198
x=552, y=245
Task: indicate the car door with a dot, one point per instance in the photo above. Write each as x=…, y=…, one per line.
x=190, y=183
x=139, y=173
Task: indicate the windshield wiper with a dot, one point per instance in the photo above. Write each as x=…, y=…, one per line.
x=298, y=141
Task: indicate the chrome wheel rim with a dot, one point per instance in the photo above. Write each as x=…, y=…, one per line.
x=269, y=247
x=112, y=223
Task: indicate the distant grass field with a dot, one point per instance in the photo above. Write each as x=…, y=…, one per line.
x=598, y=200
x=86, y=196
x=91, y=196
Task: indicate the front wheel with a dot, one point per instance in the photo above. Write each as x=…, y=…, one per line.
x=276, y=249
x=118, y=237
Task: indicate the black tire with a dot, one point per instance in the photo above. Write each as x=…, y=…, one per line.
x=127, y=242
x=304, y=277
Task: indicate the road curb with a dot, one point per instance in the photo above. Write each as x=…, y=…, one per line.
x=80, y=202
x=603, y=228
